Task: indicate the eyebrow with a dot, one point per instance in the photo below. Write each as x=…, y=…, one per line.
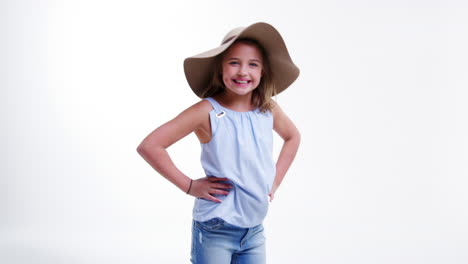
x=233, y=58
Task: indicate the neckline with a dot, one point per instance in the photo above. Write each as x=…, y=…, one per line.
x=234, y=111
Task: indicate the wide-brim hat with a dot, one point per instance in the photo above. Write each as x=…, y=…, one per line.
x=199, y=68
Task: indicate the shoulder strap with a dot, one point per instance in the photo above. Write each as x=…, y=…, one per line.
x=218, y=109
x=216, y=106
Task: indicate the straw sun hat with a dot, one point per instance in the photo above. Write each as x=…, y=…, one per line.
x=198, y=68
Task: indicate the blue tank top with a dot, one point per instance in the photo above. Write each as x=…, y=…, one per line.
x=240, y=149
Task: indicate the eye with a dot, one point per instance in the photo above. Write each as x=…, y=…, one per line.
x=233, y=62
x=253, y=64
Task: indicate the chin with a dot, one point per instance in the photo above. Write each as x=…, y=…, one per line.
x=243, y=92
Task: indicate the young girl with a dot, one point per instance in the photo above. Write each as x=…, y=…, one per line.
x=234, y=123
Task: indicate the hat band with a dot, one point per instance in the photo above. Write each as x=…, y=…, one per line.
x=228, y=39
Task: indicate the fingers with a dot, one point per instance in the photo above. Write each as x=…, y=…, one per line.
x=216, y=179
x=214, y=199
x=219, y=191
x=209, y=187
x=272, y=195
x=219, y=188
x=219, y=185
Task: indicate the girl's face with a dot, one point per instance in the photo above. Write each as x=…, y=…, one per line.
x=242, y=68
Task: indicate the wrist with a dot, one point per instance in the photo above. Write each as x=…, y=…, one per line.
x=190, y=187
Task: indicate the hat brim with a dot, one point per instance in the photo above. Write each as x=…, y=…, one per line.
x=198, y=68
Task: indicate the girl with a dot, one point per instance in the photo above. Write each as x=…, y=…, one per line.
x=234, y=124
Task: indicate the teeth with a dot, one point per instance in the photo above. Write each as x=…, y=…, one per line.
x=243, y=82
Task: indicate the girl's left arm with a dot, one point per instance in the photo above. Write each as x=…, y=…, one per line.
x=291, y=136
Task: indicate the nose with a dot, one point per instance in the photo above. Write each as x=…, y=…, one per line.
x=243, y=70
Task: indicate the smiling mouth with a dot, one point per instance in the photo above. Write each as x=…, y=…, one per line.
x=241, y=82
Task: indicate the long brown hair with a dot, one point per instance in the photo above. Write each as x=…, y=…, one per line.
x=262, y=95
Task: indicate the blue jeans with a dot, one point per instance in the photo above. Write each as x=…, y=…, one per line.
x=217, y=242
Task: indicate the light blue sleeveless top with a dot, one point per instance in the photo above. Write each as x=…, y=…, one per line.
x=240, y=149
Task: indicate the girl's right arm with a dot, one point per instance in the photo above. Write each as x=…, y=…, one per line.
x=153, y=150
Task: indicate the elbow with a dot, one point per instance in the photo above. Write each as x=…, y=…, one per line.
x=293, y=140
x=143, y=149
x=297, y=137
x=149, y=151
x=140, y=149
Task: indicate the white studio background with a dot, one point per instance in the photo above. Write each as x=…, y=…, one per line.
x=381, y=103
